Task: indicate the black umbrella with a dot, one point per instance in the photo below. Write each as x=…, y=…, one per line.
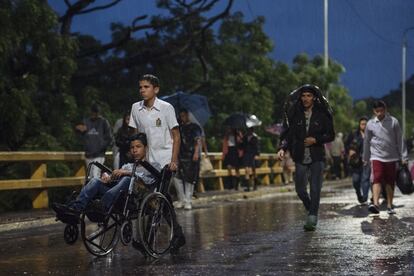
x=241, y=120
x=194, y=103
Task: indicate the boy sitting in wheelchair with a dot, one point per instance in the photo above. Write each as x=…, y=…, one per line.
x=110, y=186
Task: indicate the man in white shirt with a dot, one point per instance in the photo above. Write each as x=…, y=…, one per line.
x=384, y=147
x=156, y=118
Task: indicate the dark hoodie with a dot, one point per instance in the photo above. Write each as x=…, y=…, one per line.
x=97, y=137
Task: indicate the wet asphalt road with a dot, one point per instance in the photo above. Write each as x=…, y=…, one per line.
x=248, y=237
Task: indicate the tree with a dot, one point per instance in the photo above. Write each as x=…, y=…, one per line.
x=36, y=65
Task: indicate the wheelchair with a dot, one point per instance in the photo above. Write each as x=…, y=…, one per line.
x=151, y=216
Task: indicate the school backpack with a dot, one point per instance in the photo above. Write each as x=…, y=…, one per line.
x=293, y=103
x=404, y=180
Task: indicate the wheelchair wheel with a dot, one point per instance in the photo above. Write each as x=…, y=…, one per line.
x=155, y=224
x=100, y=238
x=126, y=232
x=71, y=233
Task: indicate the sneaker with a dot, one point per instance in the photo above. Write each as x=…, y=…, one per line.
x=62, y=209
x=187, y=206
x=391, y=211
x=178, y=204
x=311, y=223
x=363, y=203
x=373, y=208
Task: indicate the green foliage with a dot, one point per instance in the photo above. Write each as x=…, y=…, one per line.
x=36, y=65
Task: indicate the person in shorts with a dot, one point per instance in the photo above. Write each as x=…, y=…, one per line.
x=384, y=147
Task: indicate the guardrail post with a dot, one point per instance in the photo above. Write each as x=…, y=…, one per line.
x=200, y=187
x=266, y=177
x=40, y=198
x=278, y=176
x=218, y=166
x=81, y=170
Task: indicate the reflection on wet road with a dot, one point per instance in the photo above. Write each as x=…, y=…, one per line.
x=251, y=237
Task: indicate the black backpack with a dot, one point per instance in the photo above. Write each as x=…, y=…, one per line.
x=404, y=181
x=292, y=104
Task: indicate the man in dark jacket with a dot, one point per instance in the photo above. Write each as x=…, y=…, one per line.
x=97, y=135
x=306, y=130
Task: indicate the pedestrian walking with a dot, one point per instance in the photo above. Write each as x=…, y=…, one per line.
x=97, y=137
x=360, y=172
x=250, y=152
x=156, y=118
x=307, y=127
x=122, y=139
x=115, y=148
x=232, y=155
x=189, y=158
x=384, y=148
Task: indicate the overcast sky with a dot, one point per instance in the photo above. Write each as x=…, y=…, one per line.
x=364, y=35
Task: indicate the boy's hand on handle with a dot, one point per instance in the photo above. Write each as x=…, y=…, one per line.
x=281, y=154
x=173, y=166
x=105, y=177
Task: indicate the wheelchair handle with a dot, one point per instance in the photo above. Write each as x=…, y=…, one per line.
x=149, y=168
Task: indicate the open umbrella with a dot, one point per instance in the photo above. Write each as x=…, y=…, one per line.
x=196, y=104
x=241, y=120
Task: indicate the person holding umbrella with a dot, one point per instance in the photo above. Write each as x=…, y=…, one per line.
x=250, y=151
x=308, y=125
x=232, y=155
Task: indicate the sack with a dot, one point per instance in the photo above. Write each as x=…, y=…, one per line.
x=404, y=180
x=205, y=165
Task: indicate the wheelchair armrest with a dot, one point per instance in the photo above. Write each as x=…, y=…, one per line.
x=101, y=166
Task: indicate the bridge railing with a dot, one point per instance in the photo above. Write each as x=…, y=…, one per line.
x=269, y=171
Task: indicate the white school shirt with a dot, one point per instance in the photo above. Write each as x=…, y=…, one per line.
x=156, y=123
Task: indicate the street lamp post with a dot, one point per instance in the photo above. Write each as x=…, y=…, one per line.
x=404, y=65
x=325, y=44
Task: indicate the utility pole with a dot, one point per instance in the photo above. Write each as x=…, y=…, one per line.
x=404, y=66
x=325, y=21
x=325, y=27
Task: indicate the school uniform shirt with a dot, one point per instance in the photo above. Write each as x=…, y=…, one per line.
x=383, y=140
x=156, y=123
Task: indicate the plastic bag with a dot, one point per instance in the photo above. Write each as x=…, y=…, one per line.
x=205, y=165
x=404, y=180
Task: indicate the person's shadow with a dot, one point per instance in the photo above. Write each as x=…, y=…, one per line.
x=361, y=211
x=387, y=230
